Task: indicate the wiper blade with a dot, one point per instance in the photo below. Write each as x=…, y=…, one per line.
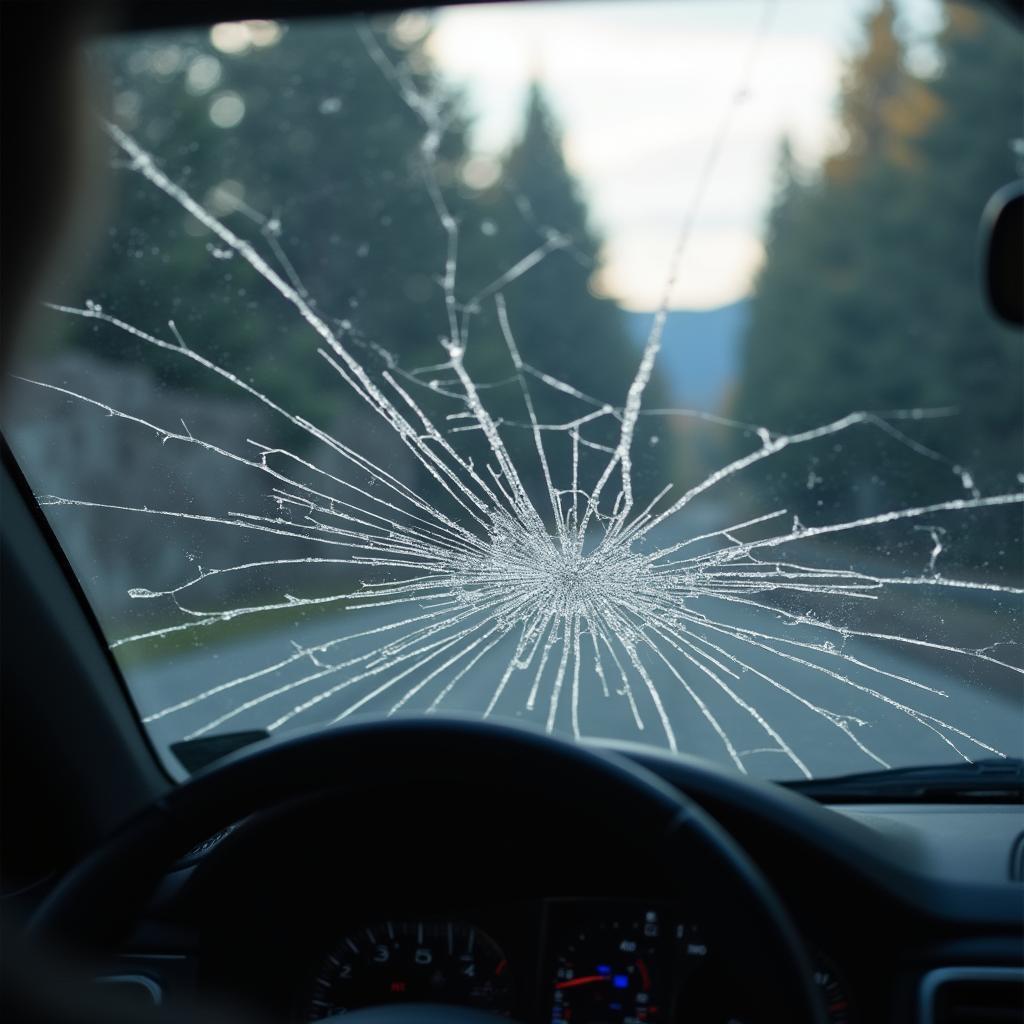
x=989, y=780
x=204, y=750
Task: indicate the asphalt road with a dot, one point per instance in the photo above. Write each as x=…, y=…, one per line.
x=978, y=702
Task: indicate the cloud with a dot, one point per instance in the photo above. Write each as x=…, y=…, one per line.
x=641, y=90
x=718, y=268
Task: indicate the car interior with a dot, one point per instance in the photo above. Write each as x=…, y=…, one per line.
x=445, y=867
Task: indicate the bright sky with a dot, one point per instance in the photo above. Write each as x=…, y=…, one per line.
x=641, y=88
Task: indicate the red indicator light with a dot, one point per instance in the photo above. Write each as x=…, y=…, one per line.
x=398, y=986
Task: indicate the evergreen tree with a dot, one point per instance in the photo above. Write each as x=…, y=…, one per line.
x=561, y=326
x=882, y=108
x=323, y=172
x=973, y=361
x=869, y=297
x=556, y=317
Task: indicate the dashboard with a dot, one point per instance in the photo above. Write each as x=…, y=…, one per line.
x=532, y=913
x=559, y=960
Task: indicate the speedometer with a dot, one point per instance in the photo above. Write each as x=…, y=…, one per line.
x=428, y=961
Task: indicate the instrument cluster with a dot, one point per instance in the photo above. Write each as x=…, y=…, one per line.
x=591, y=962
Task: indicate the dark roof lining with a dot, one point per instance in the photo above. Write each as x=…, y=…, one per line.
x=140, y=15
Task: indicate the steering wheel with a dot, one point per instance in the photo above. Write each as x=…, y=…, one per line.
x=100, y=898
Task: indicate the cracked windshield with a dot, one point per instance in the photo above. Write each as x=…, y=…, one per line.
x=617, y=369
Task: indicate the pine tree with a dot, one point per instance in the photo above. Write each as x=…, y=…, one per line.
x=869, y=297
x=776, y=360
x=882, y=107
x=329, y=153
x=974, y=362
x=560, y=325
x=567, y=329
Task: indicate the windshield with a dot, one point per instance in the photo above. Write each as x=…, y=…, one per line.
x=618, y=368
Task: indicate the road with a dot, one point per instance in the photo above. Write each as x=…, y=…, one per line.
x=769, y=731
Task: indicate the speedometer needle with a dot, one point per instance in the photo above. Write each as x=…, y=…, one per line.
x=588, y=979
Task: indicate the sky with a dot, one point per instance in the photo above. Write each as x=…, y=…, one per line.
x=642, y=90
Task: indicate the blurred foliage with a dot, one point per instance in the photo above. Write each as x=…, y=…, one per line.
x=301, y=141
x=583, y=336
x=323, y=163
x=870, y=295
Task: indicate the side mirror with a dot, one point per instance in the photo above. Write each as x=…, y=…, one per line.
x=1002, y=240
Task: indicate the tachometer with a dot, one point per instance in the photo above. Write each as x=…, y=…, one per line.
x=429, y=961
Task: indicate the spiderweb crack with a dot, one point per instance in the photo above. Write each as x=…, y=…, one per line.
x=584, y=599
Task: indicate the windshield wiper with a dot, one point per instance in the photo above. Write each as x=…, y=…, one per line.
x=197, y=753
x=989, y=780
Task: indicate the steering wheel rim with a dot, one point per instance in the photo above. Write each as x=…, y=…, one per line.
x=100, y=896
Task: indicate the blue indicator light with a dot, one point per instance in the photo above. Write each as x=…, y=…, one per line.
x=603, y=969
x=620, y=981
x=615, y=1006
